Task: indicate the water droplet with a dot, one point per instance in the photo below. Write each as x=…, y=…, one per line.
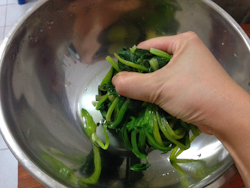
x=165, y=174
x=235, y=55
x=86, y=88
x=222, y=43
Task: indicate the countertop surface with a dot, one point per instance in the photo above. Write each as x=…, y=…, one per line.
x=25, y=180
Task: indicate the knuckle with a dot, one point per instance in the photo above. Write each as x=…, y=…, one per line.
x=191, y=34
x=192, y=37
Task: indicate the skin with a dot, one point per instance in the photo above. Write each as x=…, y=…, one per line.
x=194, y=87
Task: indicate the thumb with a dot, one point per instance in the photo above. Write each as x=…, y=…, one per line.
x=135, y=85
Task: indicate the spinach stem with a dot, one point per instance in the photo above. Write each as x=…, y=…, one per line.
x=135, y=147
x=167, y=128
x=99, y=142
x=142, y=140
x=124, y=134
x=196, y=132
x=99, y=103
x=156, y=131
x=131, y=64
x=111, y=109
x=168, y=136
x=113, y=63
x=95, y=176
x=155, y=144
x=108, y=77
x=160, y=53
x=121, y=114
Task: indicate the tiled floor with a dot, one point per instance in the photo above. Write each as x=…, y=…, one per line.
x=10, y=12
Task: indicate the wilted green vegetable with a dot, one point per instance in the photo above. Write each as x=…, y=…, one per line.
x=142, y=126
x=67, y=173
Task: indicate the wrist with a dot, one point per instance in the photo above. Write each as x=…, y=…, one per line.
x=231, y=125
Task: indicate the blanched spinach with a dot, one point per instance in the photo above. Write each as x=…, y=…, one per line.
x=142, y=126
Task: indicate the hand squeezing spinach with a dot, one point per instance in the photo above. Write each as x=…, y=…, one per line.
x=142, y=126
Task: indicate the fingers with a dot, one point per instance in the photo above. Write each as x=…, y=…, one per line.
x=169, y=44
x=146, y=87
x=134, y=85
x=162, y=43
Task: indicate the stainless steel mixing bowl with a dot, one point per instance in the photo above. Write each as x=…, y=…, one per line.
x=53, y=60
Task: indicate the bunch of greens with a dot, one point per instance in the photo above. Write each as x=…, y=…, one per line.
x=142, y=126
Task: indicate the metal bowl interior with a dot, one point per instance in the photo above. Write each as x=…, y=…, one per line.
x=54, y=59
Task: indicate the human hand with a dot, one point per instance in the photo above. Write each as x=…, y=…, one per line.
x=193, y=86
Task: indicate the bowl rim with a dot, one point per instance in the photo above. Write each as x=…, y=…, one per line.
x=10, y=141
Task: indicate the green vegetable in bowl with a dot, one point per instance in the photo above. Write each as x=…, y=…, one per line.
x=90, y=130
x=67, y=173
x=142, y=126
